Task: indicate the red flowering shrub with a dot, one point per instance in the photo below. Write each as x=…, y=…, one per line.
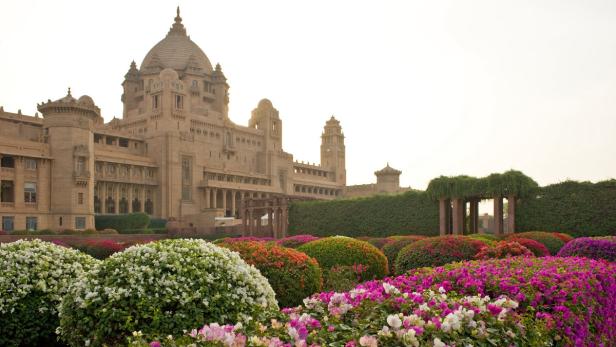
x=538, y=249
x=565, y=237
x=437, y=251
x=342, y=250
x=292, y=274
x=296, y=240
x=503, y=249
x=100, y=249
x=549, y=240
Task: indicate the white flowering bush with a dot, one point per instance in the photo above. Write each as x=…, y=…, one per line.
x=34, y=276
x=162, y=288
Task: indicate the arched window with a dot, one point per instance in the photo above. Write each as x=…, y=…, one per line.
x=97, y=204
x=149, y=207
x=136, y=205
x=123, y=205
x=110, y=205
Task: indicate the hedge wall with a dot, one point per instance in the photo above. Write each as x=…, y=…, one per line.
x=122, y=223
x=410, y=213
x=576, y=208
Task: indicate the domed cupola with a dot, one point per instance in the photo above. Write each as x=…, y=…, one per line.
x=176, y=51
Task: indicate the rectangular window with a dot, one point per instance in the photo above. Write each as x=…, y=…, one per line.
x=186, y=178
x=155, y=101
x=8, y=223
x=31, y=223
x=179, y=102
x=8, y=162
x=80, y=198
x=7, y=191
x=81, y=165
x=80, y=222
x=29, y=192
x=30, y=164
x=123, y=142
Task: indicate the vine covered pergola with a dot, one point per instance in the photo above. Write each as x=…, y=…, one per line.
x=453, y=193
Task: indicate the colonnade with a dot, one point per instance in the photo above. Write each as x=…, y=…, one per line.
x=229, y=199
x=453, y=215
x=277, y=210
x=118, y=198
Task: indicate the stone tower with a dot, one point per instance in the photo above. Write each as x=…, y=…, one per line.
x=68, y=123
x=387, y=180
x=333, y=151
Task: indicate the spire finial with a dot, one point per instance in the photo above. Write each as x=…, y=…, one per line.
x=178, y=11
x=178, y=27
x=69, y=91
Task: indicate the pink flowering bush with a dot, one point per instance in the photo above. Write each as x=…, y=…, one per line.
x=576, y=297
x=296, y=240
x=591, y=247
x=503, y=249
x=378, y=316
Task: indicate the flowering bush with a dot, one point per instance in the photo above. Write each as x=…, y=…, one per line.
x=550, y=241
x=296, y=241
x=34, y=277
x=436, y=251
x=564, y=237
x=292, y=274
x=162, y=287
x=488, y=239
x=503, y=249
x=100, y=249
x=538, y=249
x=342, y=250
x=379, y=242
x=591, y=247
x=380, y=317
x=574, y=296
x=243, y=239
x=392, y=249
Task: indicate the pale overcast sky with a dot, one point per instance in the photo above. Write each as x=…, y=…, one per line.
x=433, y=87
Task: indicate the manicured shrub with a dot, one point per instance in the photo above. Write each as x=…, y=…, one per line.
x=551, y=242
x=108, y=232
x=34, y=277
x=564, y=237
x=243, y=239
x=437, y=251
x=345, y=251
x=157, y=223
x=122, y=223
x=296, y=241
x=574, y=296
x=503, y=249
x=292, y=274
x=379, y=242
x=489, y=239
x=538, y=249
x=402, y=237
x=411, y=213
x=380, y=317
x=162, y=288
x=392, y=249
x=100, y=249
x=591, y=247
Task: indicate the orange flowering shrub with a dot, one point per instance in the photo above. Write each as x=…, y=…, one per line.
x=503, y=249
x=292, y=274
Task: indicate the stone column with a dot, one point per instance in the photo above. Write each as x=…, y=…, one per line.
x=215, y=199
x=251, y=222
x=498, y=215
x=444, y=206
x=18, y=186
x=224, y=201
x=142, y=199
x=270, y=222
x=474, y=215
x=511, y=214
x=130, y=198
x=207, y=197
x=458, y=216
x=116, y=198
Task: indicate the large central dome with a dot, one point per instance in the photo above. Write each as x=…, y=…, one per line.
x=176, y=51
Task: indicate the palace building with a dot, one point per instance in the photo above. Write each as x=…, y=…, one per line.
x=175, y=152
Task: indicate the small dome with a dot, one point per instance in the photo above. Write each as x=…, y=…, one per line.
x=265, y=103
x=68, y=98
x=388, y=170
x=86, y=100
x=177, y=51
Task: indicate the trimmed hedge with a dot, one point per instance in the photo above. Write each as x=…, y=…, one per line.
x=412, y=213
x=436, y=251
x=392, y=249
x=292, y=274
x=552, y=242
x=496, y=184
x=345, y=251
x=577, y=208
x=123, y=222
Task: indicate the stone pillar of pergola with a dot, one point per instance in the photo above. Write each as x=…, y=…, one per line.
x=474, y=216
x=498, y=215
x=458, y=216
x=444, y=210
x=511, y=205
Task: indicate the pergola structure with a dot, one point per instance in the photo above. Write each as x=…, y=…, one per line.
x=276, y=207
x=454, y=193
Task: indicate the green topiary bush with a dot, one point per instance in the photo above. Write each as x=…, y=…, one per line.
x=345, y=251
x=436, y=251
x=552, y=242
x=123, y=223
x=292, y=274
x=34, y=277
x=162, y=288
x=392, y=249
